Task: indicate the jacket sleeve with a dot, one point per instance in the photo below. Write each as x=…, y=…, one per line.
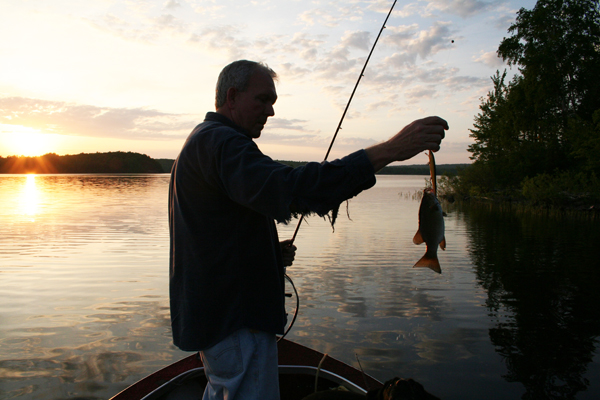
x=254, y=180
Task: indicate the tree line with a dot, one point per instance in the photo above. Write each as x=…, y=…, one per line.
x=111, y=162
x=417, y=169
x=537, y=136
x=129, y=162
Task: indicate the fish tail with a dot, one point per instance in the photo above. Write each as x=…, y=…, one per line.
x=430, y=262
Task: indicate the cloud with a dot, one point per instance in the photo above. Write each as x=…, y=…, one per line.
x=300, y=135
x=420, y=92
x=222, y=39
x=462, y=8
x=290, y=124
x=490, y=59
x=401, y=33
x=408, y=9
x=301, y=44
x=169, y=22
x=292, y=71
x=86, y=120
x=456, y=146
x=384, y=104
x=141, y=26
x=331, y=63
x=380, y=6
x=460, y=83
x=359, y=40
x=119, y=27
x=299, y=55
x=412, y=42
x=400, y=60
x=172, y=5
x=505, y=21
x=336, y=65
x=214, y=11
x=331, y=16
x=318, y=17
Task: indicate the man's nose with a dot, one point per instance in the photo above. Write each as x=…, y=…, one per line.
x=270, y=110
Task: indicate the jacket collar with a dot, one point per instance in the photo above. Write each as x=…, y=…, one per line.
x=216, y=117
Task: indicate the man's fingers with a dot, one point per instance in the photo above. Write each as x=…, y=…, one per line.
x=434, y=133
x=435, y=121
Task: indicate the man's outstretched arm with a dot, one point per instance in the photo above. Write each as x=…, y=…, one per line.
x=420, y=135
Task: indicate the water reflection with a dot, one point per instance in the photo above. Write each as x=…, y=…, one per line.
x=30, y=197
x=83, y=310
x=96, y=356
x=543, y=296
x=84, y=292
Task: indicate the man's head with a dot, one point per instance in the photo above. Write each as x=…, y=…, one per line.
x=246, y=93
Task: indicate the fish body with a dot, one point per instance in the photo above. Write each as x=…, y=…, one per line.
x=431, y=230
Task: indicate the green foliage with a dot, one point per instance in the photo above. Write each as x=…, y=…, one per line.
x=562, y=189
x=585, y=139
x=480, y=180
x=544, y=124
x=492, y=132
x=166, y=164
x=446, y=185
x=556, y=47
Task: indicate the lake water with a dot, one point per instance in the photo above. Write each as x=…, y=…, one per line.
x=514, y=314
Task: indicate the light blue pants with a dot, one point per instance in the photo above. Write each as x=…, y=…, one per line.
x=242, y=367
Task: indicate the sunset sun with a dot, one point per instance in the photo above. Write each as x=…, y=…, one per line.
x=29, y=144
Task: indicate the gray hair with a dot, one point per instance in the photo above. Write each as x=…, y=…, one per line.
x=237, y=75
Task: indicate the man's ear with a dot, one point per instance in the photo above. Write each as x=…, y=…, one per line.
x=231, y=97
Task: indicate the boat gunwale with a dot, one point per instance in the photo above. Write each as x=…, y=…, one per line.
x=290, y=354
x=283, y=370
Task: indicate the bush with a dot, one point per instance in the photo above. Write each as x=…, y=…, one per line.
x=562, y=189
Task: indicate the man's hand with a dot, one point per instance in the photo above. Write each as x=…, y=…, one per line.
x=288, y=250
x=420, y=135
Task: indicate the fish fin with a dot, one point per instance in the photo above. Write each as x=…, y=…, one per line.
x=418, y=239
x=443, y=243
x=429, y=262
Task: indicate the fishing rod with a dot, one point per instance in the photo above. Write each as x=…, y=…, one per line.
x=347, y=106
x=327, y=155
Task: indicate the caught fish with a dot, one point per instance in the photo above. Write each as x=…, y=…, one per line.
x=431, y=224
x=431, y=231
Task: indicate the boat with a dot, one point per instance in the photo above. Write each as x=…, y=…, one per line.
x=302, y=371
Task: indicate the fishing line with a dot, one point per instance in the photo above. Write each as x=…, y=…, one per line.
x=297, y=306
x=347, y=106
x=362, y=371
x=432, y=166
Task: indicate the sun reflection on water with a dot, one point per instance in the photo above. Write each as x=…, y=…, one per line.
x=29, y=202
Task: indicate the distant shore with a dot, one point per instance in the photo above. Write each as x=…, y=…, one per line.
x=112, y=162
x=129, y=162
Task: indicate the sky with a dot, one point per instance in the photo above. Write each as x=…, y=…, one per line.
x=138, y=75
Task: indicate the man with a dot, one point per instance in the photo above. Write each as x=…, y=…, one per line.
x=226, y=261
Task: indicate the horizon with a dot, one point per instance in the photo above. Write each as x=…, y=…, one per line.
x=173, y=159
x=113, y=76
